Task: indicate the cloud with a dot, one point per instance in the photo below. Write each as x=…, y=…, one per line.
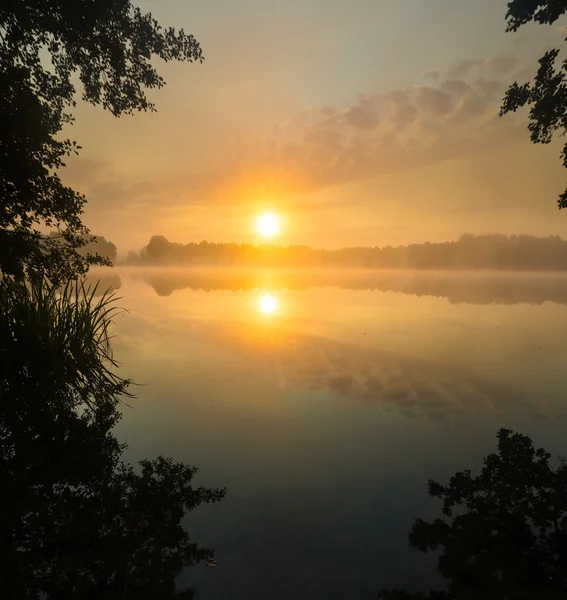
x=437, y=101
x=520, y=40
x=379, y=133
x=364, y=115
x=491, y=64
x=526, y=73
x=108, y=188
x=433, y=74
x=491, y=89
x=500, y=64
x=464, y=67
x=387, y=132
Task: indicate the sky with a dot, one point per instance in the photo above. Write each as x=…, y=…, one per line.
x=367, y=122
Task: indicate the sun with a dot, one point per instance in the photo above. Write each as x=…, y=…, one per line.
x=268, y=225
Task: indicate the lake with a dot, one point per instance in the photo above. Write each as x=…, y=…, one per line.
x=325, y=400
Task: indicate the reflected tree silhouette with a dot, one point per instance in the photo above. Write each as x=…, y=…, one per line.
x=76, y=521
x=103, y=284
x=462, y=287
x=503, y=534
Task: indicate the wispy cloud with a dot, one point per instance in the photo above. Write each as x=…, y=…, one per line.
x=378, y=133
x=491, y=64
x=433, y=74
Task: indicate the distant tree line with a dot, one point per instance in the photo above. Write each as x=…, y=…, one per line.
x=99, y=245
x=92, y=245
x=493, y=251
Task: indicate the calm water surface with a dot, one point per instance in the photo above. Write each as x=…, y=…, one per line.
x=324, y=401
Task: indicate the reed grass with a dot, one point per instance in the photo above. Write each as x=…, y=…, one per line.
x=56, y=341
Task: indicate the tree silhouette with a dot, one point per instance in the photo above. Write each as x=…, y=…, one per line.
x=504, y=531
x=111, y=45
x=76, y=522
x=489, y=251
x=98, y=244
x=547, y=94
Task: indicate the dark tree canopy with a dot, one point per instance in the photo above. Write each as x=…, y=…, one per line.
x=504, y=532
x=44, y=45
x=521, y=12
x=547, y=94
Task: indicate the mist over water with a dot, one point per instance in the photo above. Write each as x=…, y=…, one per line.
x=480, y=287
x=324, y=400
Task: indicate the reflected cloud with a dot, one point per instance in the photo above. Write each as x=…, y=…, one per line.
x=414, y=387
x=456, y=287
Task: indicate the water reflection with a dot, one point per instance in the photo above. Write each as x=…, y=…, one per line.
x=503, y=533
x=267, y=304
x=419, y=358
x=457, y=287
x=103, y=282
x=369, y=390
x=77, y=521
x=414, y=387
x=418, y=388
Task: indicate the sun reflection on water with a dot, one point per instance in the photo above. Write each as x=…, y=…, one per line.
x=267, y=304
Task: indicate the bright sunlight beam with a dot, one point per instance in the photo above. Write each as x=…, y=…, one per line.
x=268, y=225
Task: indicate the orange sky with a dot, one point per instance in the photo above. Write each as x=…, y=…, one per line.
x=361, y=123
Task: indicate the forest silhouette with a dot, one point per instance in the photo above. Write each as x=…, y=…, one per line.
x=494, y=251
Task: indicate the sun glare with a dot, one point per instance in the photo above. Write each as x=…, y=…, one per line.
x=268, y=225
x=267, y=304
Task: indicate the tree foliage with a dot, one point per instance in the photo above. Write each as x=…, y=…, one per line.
x=503, y=534
x=546, y=95
x=45, y=46
x=100, y=245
